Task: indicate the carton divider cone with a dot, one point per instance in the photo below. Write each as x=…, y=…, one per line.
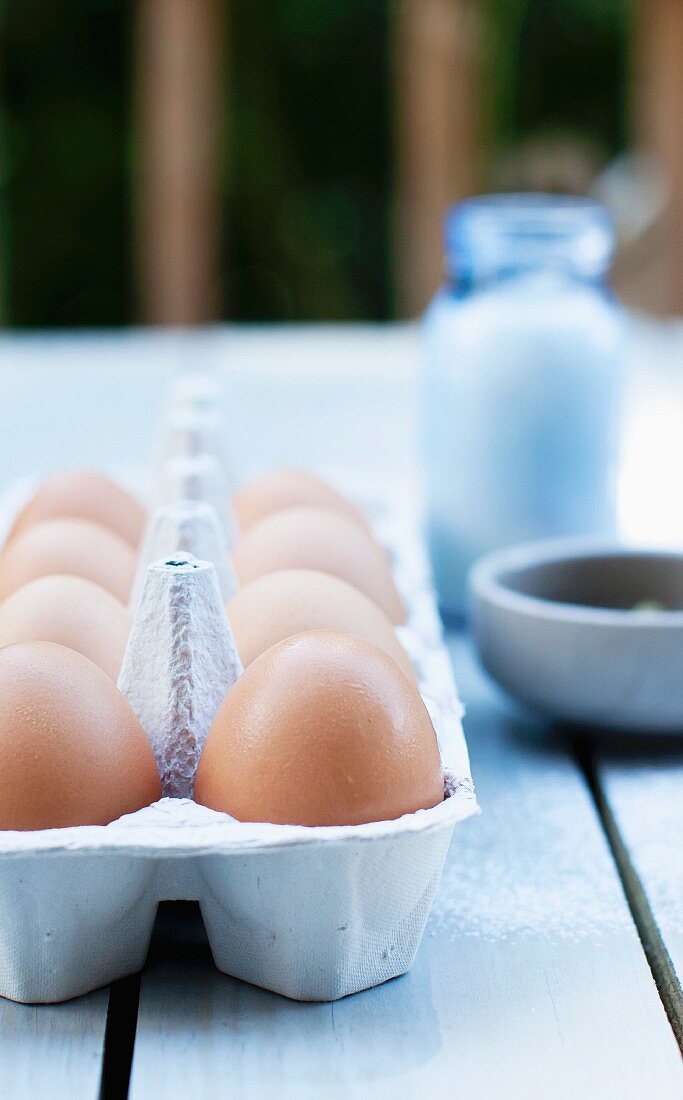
x=197, y=477
x=180, y=662
x=188, y=527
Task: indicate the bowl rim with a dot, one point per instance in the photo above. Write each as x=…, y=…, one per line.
x=485, y=582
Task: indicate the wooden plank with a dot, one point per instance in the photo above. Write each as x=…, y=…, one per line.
x=642, y=802
x=531, y=980
x=50, y=1052
x=436, y=51
x=178, y=91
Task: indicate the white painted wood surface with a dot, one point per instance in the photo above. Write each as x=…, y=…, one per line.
x=348, y=391
x=644, y=793
x=52, y=1052
x=531, y=981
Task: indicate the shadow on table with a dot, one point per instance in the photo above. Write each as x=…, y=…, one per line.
x=180, y=964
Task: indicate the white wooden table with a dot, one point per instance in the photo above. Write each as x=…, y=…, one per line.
x=552, y=960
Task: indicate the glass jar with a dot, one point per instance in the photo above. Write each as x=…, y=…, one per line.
x=521, y=384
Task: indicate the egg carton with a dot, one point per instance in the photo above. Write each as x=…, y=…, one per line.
x=311, y=913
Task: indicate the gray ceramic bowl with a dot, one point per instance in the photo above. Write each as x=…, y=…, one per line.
x=556, y=627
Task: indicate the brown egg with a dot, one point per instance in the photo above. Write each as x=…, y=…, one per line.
x=277, y=605
x=322, y=729
x=71, y=750
x=72, y=612
x=74, y=546
x=311, y=538
x=84, y=494
x=280, y=489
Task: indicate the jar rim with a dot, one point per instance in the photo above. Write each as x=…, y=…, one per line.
x=524, y=230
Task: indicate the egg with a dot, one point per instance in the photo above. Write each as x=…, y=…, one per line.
x=311, y=538
x=277, y=605
x=84, y=494
x=321, y=729
x=71, y=750
x=280, y=489
x=70, y=611
x=74, y=546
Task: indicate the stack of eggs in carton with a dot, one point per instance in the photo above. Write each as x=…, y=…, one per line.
x=240, y=697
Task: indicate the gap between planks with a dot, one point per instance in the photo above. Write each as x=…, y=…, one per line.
x=655, y=949
x=119, y=1037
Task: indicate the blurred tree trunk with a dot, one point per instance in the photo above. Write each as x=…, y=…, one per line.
x=651, y=277
x=4, y=249
x=179, y=61
x=436, y=51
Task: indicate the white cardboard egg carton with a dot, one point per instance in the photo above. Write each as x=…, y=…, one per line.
x=312, y=913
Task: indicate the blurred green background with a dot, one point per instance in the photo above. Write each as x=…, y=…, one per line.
x=309, y=176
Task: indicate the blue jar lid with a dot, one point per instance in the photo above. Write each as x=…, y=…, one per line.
x=498, y=235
